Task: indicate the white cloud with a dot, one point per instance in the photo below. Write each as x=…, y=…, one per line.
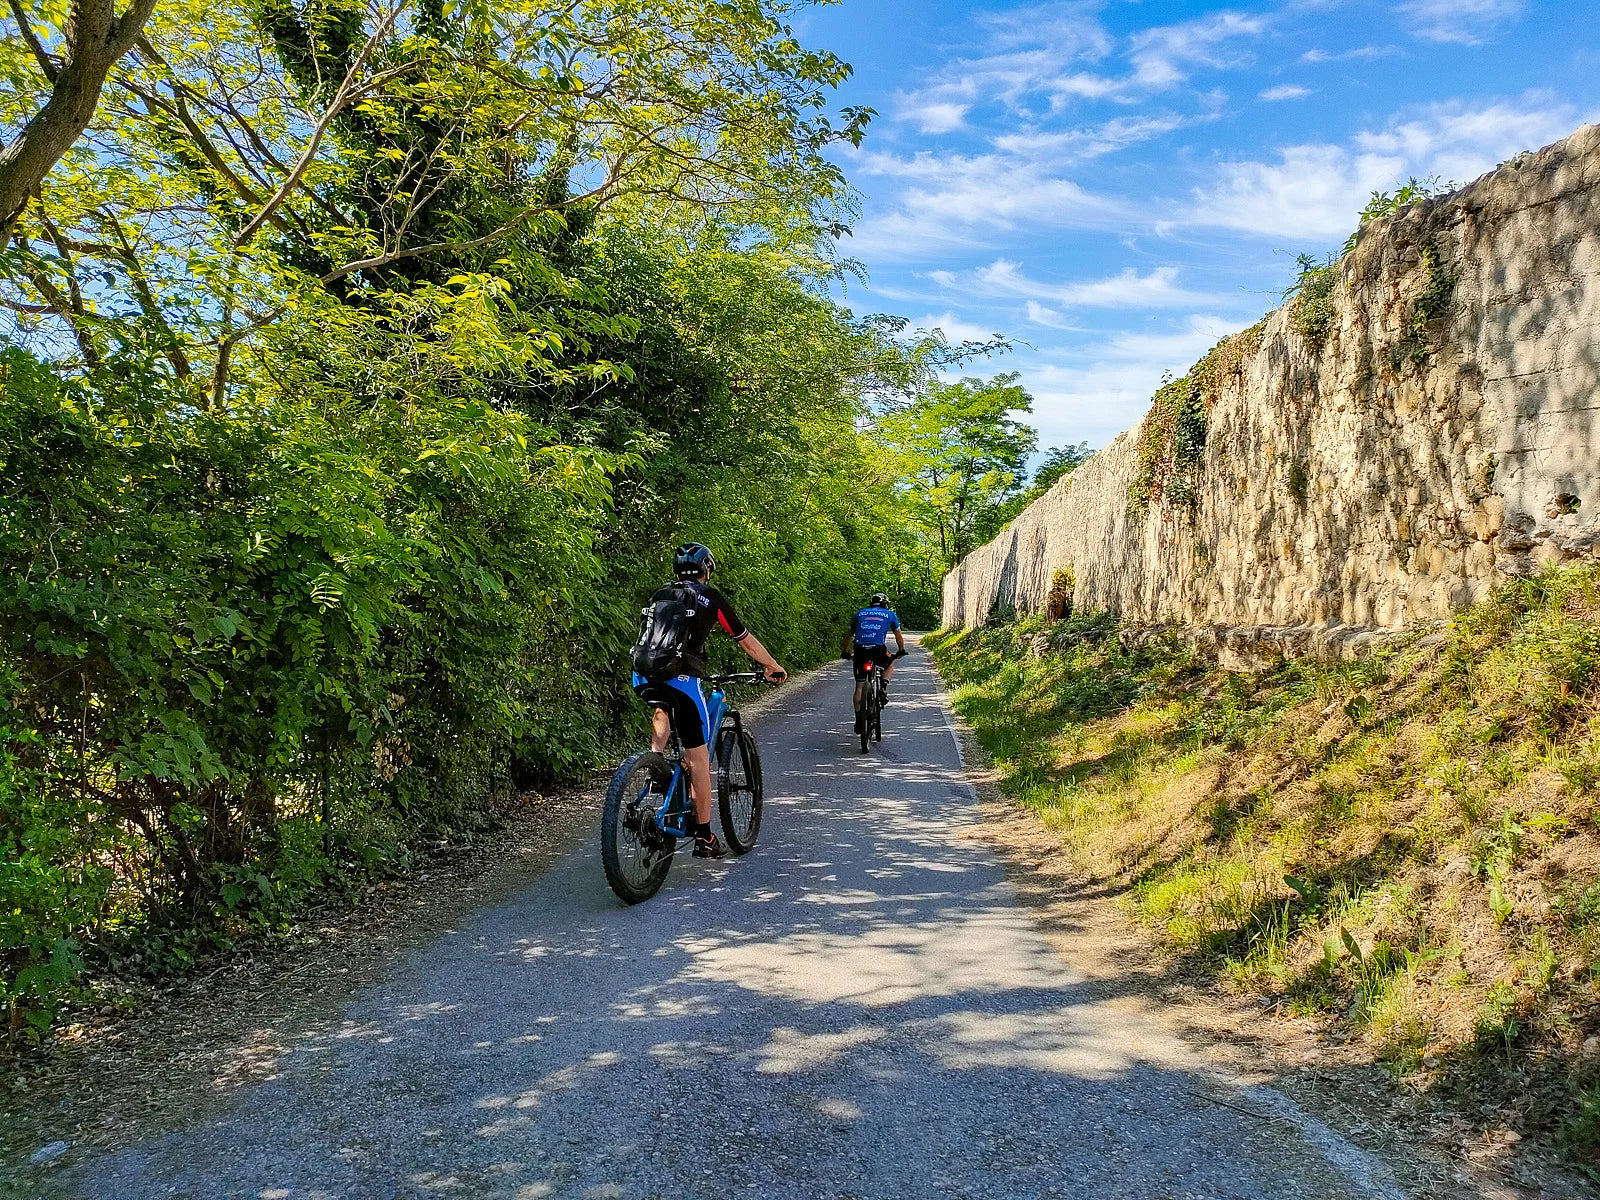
x=1286, y=91
x=1314, y=191
x=1323, y=56
x=1177, y=349
x=1162, y=57
x=1090, y=141
x=1127, y=289
x=953, y=327
x=1466, y=22
x=962, y=200
x=1104, y=388
x=1040, y=315
x=935, y=116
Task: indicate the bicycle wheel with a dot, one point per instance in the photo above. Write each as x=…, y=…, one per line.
x=739, y=789
x=869, y=714
x=635, y=852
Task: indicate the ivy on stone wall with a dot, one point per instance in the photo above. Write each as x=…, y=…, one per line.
x=1172, y=438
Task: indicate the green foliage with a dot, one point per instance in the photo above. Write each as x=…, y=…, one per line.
x=961, y=456
x=336, y=494
x=1431, y=302
x=1384, y=204
x=1298, y=480
x=1171, y=447
x=1172, y=437
x=1312, y=310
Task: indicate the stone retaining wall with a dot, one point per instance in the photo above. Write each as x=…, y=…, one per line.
x=1384, y=478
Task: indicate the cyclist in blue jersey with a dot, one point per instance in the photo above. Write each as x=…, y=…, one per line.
x=868, y=641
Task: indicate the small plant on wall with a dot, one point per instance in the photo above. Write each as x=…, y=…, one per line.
x=1058, y=604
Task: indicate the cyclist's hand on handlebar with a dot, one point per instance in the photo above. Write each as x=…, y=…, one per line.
x=900, y=653
x=776, y=674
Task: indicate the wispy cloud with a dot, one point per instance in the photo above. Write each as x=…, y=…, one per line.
x=1467, y=22
x=1090, y=141
x=1166, y=56
x=1286, y=91
x=1043, y=60
x=1326, y=56
x=1158, y=288
x=962, y=199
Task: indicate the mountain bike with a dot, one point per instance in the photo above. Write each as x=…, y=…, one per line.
x=648, y=807
x=873, y=697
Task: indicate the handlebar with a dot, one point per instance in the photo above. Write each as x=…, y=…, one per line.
x=739, y=677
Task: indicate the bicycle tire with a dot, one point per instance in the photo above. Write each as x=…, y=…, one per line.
x=868, y=715
x=635, y=873
x=741, y=820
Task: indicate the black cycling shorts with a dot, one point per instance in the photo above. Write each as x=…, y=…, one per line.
x=873, y=654
x=685, y=702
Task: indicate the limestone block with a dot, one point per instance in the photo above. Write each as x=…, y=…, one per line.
x=1479, y=560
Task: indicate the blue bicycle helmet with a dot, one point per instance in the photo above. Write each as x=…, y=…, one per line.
x=693, y=559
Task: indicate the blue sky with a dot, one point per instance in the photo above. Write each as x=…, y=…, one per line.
x=1121, y=183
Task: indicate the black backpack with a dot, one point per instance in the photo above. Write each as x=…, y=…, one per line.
x=666, y=629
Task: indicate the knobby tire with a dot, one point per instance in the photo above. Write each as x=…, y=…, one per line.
x=636, y=854
x=739, y=789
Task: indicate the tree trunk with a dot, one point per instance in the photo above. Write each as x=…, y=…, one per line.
x=95, y=39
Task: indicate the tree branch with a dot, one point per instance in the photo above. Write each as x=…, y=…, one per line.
x=347, y=90
x=47, y=65
x=96, y=39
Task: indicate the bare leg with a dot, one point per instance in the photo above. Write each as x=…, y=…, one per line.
x=698, y=761
x=660, y=731
x=860, y=687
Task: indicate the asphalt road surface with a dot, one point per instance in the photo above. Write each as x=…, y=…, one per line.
x=859, y=1008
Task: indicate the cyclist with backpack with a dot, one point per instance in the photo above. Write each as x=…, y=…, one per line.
x=669, y=663
x=868, y=641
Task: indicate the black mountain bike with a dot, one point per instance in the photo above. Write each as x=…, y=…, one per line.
x=873, y=697
x=648, y=807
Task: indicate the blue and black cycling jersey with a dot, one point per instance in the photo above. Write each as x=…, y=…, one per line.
x=872, y=626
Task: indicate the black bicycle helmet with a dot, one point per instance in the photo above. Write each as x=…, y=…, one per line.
x=693, y=559
x=879, y=600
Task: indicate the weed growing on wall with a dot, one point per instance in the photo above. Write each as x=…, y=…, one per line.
x=1415, y=346
x=1312, y=309
x=1172, y=438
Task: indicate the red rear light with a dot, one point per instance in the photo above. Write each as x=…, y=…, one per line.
x=867, y=666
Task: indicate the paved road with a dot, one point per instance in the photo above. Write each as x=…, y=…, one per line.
x=857, y=1009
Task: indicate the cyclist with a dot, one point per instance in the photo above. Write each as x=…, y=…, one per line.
x=670, y=663
x=867, y=642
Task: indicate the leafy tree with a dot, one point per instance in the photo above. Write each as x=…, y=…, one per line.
x=961, y=456
x=365, y=364
x=88, y=39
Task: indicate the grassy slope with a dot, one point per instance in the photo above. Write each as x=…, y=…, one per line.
x=1408, y=846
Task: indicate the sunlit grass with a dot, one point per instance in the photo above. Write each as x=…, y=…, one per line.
x=1406, y=845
